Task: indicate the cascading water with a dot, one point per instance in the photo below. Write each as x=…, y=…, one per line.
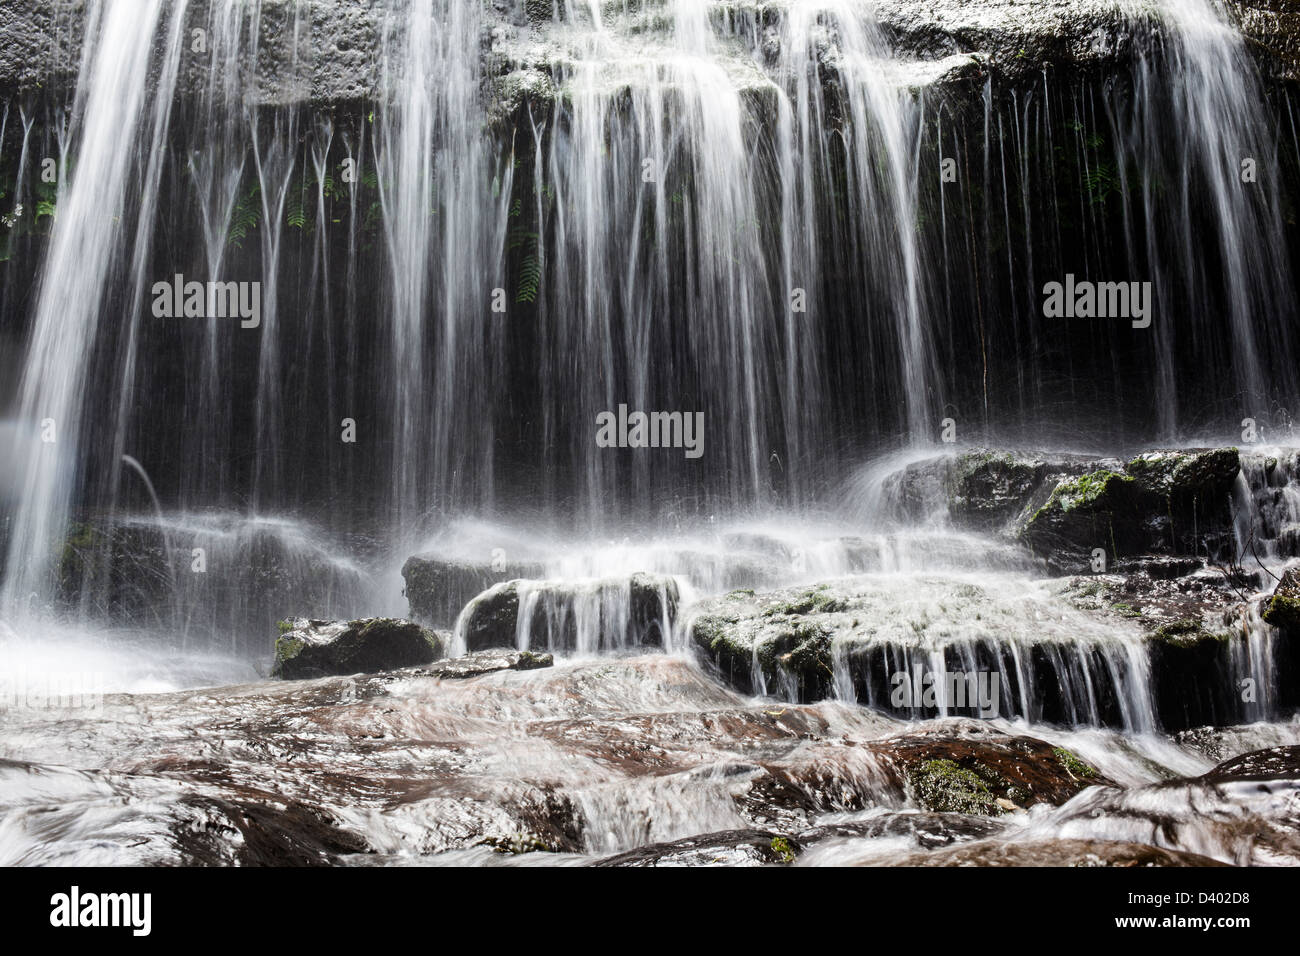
x=521, y=217
x=81, y=275
x=1218, y=94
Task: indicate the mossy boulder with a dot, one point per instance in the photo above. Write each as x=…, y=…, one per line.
x=960, y=769
x=1160, y=502
x=784, y=635
x=1187, y=475
x=1189, y=496
x=1100, y=509
x=307, y=648
x=945, y=787
x=1282, y=609
x=122, y=570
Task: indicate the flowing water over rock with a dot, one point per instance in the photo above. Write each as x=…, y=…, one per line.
x=310, y=314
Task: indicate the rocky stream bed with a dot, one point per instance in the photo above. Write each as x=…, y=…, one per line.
x=716, y=717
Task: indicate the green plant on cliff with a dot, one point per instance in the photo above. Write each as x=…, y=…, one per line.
x=245, y=216
x=527, y=243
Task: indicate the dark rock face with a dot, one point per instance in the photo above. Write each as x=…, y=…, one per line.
x=990, y=489
x=1272, y=29
x=335, y=60
x=1099, y=510
x=585, y=616
x=309, y=648
x=438, y=588
x=1163, y=502
x=39, y=43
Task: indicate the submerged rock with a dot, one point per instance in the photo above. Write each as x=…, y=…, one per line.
x=307, y=648
x=923, y=829
x=1220, y=743
x=635, y=760
x=1201, y=640
x=487, y=662
x=912, y=649
x=211, y=831
x=584, y=616
x=1274, y=763
x=948, y=771
x=1068, y=852
x=728, y=848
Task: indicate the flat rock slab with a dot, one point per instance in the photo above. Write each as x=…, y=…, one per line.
x=1056, y=853
x=486, y=662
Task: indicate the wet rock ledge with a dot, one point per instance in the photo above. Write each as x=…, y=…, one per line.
x=336, y=60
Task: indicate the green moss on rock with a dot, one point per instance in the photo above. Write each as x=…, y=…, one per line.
x=1282, y=610
x=1072, y=764
x=1185, y=633
x=945, y=787
x=287, y=647
x=781, y=847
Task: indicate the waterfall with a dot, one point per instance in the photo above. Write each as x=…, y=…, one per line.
x=444, y=221
x=1229, y=169
x=115, y=125
x=675, y=206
